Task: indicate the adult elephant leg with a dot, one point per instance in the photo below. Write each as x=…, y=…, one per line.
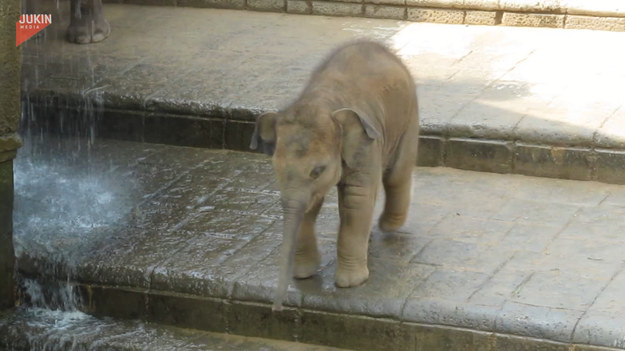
x=87, y=22
x=101, y=27
x=79, y=30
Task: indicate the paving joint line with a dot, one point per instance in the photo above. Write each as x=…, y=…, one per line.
x=192, y=214
x=566, y=226
x=491, y=276
x=605, y=286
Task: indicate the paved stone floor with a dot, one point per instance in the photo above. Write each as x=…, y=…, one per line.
x=531, y=84
x=509, y=94
x=172, y=233
x=531, y=257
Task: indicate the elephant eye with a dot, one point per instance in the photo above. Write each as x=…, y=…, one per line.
x=316, y=172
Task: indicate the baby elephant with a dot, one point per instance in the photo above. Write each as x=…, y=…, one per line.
x=355, y=126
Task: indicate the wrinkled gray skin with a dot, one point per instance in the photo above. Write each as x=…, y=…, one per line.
x=87, y=24
x=354, y=126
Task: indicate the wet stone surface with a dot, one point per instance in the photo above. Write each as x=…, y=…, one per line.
x=41, y=329
x=532, y=101
x=506, y=254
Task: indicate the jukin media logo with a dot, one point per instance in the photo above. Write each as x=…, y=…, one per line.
x=29, y=25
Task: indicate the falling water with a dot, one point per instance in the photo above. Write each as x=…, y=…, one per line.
x=68, y=198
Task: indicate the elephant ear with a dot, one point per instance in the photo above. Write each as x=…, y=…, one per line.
x=357, y=131
x=264, y=136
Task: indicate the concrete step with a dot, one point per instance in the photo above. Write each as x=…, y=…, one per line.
x=533, y=101
x=190, y=237
x=42, y=329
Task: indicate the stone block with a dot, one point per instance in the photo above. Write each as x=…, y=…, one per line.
x=354, y=1
x=445, y=4
x=126, y=303
x=430, y=151
x=538, y=321
x=184, y=131
x=553, y=162
x=611, y=166
x=327, y=8
x=9, y=144
x=481, y=4
x=10, y=71
x=298, y=6
x=187, y=311
x=485, y=18
x=387, y=2
x=267, y=5
x=611, y=133
x=381, y=11
x=579, y=347
x=530, y=5
x=346, y=331
x=532, y=20
x=122, y=125
x=259, y=320
x=616, y=24
x=7, y=256
x=152, y=2
x=434, y=15
x=441, y=338
x=602, y=8
x=238, y=135
x=479, y=155
x=519, y=343
x=221, y=4
x=10, y=68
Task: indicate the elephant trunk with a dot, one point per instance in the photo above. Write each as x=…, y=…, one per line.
x=293, y=214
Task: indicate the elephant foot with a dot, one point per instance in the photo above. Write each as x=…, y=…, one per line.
x=349, y=277
x=101, y=31
x=391, y=222
x=86, y=29
x=305, y=267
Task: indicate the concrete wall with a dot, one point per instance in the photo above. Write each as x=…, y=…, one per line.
x=10, y=67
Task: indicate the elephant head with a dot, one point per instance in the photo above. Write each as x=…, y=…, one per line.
x=310, y=148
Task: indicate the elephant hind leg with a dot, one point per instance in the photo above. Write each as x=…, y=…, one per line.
x=398, y=184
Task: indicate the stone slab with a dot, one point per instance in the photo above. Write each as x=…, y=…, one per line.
x=481, y=258
x=508, y=85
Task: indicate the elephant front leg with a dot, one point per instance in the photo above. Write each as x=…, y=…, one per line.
x=356, y=210
x=307, y=259
x=87, y=24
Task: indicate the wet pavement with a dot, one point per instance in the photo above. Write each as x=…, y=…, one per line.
x=190, y=236
x=532, y=101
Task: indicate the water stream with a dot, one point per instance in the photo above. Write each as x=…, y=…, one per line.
x=68, y=199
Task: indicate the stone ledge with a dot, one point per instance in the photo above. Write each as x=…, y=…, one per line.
x=27, y=329
x=340, y=330
x=216, y=127
x=574, y=14
x=202, y=252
